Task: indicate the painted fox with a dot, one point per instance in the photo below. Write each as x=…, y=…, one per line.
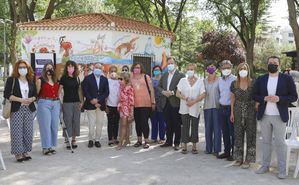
x=126, y=47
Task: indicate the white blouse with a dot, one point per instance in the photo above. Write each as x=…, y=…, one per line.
x=114, y=90
x=24, y=88
x=191, y=92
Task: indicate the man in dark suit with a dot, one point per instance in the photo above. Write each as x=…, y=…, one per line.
x=95, y=89
x=171, y=104
x=274, y=92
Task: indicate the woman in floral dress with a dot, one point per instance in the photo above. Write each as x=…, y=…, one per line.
x=125, y=107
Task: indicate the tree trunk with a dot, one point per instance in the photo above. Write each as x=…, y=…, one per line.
x=249, y=56
x=294, y=24
x=50, y=9
x=13, y=32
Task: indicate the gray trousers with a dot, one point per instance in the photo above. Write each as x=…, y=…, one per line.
x=188, y=120
x=269, y=125
x=71, y=117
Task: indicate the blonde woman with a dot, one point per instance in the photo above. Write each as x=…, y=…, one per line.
x=243, y=115
x=191, y=91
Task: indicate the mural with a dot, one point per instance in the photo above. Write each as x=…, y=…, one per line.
x=87, y=47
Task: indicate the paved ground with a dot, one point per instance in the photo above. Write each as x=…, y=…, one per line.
x=106, y=166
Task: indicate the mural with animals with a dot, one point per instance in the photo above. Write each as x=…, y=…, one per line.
x=90, y=46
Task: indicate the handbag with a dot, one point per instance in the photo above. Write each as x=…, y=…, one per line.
x=7, y=104
x=149, y=92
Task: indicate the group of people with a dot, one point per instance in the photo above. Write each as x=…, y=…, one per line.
x=171, y=100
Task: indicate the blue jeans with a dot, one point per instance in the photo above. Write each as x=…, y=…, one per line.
x=48, y=118
x=212, y=130
x=227, y=129
x=158, y=124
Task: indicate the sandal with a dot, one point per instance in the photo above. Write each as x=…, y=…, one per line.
x=137, y=144
x=146, y=146
x=52, y=151
x=46, y=151
x=184, y=151
x=194, y=151
x=245, y=165
x=74, y=145
x=238, y=163
x=19, y=158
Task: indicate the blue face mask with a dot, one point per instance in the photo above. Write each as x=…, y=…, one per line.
x=157, y=72
x=170, y=67
x=97, y=72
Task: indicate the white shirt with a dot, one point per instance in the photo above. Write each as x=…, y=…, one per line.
x=24, y=88
x=98, y=80
x=114, y=89
x=192, y=93
x=271, y=108
x=170, y=75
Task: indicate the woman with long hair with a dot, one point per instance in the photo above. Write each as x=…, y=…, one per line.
x=48, y=108
x=20, y=89
x=243, y=115
x=72, y=101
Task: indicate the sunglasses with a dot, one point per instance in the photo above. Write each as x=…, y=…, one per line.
x=124, y=70
x=22, y=67
x=120, y=78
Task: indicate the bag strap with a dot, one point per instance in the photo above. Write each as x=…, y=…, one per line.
x=13, y=86
x=148, y=89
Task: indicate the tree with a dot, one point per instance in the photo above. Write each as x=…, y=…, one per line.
x=165, y=14
x=292, y=5
x=243, y=16
x=221, y=46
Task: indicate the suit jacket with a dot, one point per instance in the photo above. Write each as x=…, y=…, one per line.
x=15, y=106
x=91, y=91
x=174, y=101
x=286, y=91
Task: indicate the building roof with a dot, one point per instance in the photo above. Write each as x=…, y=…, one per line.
x=95, y=21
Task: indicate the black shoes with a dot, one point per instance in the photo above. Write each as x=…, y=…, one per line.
x=176, y=147
x=223, y=156
x=97, y=144
x=165, y=145
x=90, y=144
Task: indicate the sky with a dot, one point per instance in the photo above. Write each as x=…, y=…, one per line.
x=279, y=13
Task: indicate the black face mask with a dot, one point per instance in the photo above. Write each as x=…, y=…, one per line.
x=50, y=72
x=272, y=68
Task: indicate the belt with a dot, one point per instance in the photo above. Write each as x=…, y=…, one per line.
x=47, y=98
x=224, y=106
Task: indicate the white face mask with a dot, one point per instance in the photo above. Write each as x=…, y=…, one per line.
x=243, y=73
x=226, y=72
x=113, y=75
x=23, y=71
x=190, y=73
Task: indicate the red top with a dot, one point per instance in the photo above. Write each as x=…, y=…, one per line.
x=49, y=91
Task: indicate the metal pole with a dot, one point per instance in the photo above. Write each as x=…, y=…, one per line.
x=4, y=47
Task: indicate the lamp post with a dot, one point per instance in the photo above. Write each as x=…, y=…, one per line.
x=4, y=21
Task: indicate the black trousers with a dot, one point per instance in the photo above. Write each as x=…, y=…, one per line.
x=113, y=123
x=141, y=116
x=173, y=124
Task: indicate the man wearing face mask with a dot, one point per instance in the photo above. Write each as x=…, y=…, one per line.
x=95, y=89
x=171, y=104
x=224, y=111
x=274, y=92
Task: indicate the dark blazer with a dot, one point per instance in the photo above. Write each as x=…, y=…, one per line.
x=174, y=101
x=15, y=106
x=91, y=91
x=286, y=91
